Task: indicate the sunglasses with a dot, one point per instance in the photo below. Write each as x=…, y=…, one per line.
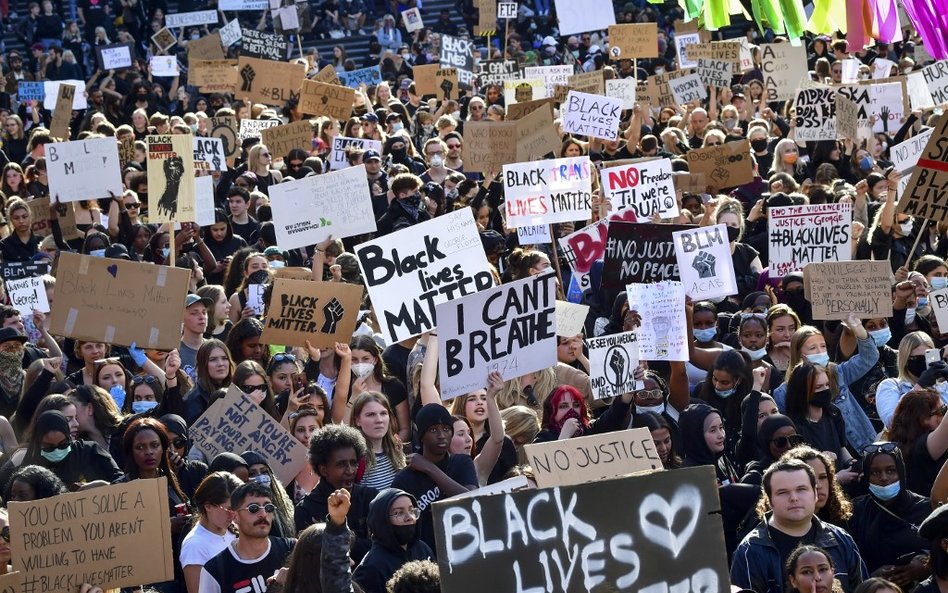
x=254, y=508
x=283, y=357
x=51, y=448
x=785, y=442
x=133, y=205
x=248, y=389
x=879, y=448
x=147, y=379
x=264, y=154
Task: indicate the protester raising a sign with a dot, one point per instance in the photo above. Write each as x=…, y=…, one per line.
x=800, y=235
x=510, y=329
x=84, y=169
x=170, y=170
x=924, y=194
x=592, y=115
x=545, y=192
x=663, y=334
x=837, y=289
x=640, y=253
x=321, y=313
x=409, y=272
x=337, y=158
x=579, y=460
x=816, y=113
x=645, y=187
x=613, y=360
x=705, y=262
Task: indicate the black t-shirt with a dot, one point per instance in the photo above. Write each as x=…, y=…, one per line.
x=93, y=11
x=786, y=543
x=920, y=468
x=233, y=575
x=249, y=231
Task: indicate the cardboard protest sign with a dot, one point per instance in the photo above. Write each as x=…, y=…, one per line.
x=84, y=169
x=208, y=154
x=191, y=19
x=622, y=89
x=663, y=334
x=924, y=195
x=269, y=82
x=337, y=158
x=520, y=90
x=816, y=113
x=306, y=211
x=62, y=114
x=28, y=295
x=425, y=79
x=236, y=423
x=489, y=145
x=534, y=234
x=800, y=235
x=116, y=56
x=409, y=272
x=119, y=302
x=29, y=90
x=521, y=110
x=640, y=253
x=577, y=460
x=253, y=128
x=510, y=329
x=536, y=135
x=716, y=65
x=507, y=10
x=67, y=222
x=446, y=83
x=784, y=66
x=682, y=42
x=458, y=53
x=263, y=45
x=581, y=17
x=225, y=130
x=213, y=75
x=170, y=170
x=645, y=187
x=17, y=269
x=726, y=165
x=370, y=76
x=570, y=318
x=847, y=118
x=39, y=214
x=412, y=20
x=492, y=72
x=668, y=532
x=936, y=78
x=487, y=16
x=551, y=76
x=592, y=115
x=327, y=75
x=588, y=82
x=322, y=313
x=836, y=289
x=281, y=139
x=637, y=40
x=230, y=33
x=318, y=98
x=164, y=39
x=705, y=263
x=546, y=192
x=112, y=536
x=883, y=99
x=612, y=363
x=206, y=48
x=687, y=89
x=164, y=66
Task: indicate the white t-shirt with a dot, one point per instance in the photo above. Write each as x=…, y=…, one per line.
x=201, y=544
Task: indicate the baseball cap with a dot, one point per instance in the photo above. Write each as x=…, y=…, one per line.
x=371, y=117
x=193, y=298
x=369, y=155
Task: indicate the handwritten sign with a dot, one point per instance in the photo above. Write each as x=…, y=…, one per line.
x=117, y=56
x=458, y=53
x=905, y=156
x=536, y=135
x=645, y=187
x=28, y=295
x=816, y=113
x=836, y=289
x=939, y=301
x=634, y=40
x=687, y=89
x=534, y=234
x=225, y=129
x=570, y=318
x=18, y=269
x=578, y=460
x=191, y=19
x=263, y=45
x=705, y=262
x=253, y=128
x=663, y=334
x=322, y=313
x=209, y=154
x=612, y=363
x=546, y=192
x=337, y=158
x=84, y=169
x=726, y=165
x=213, y=75
x=230, y=33
x=509, y=328
x=319, y=98
x=62, y=114
x=592, y=115
x=783, y=66
x=639, y=253
x=923, y=195
x=281, y=139
x=28, y=90
x=800, y=235
x=488, y=145
x=370, y=76
x=269, y=82
x=164, y=66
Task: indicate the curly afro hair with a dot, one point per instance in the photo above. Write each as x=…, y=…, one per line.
x=332, y=438
x=418, y=576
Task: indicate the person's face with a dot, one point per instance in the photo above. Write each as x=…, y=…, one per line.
x=110, y=375
x=765, y=408
x=219, y=230
x=815, y=344
x=222, y=307
x=663, y=443
x=281, y=379
x=437, y=439
x=454, y=148
x=219, y=515
x=16, y=322
x=782, y=329
x=373, y=421
x=475, y=407
x=132, y=205
x=54, y=440
x=373, y=166
x=462, y=440
x=542, y=265
x=195, y=319
x=813, y=574
x=22, y=491
x=218, y=365
x=304, y=429
x=70, y=412
x=753, y=336
x=237, y=205
x=257, y=263
x=564, y=351
x=400, y=512
x=21, y=220
x=714, y=433
x=493, y=94
x=703, y=319
x=263, y=158
x=822, y=482
x=147, y=450
x=255, y=525
x=572, y=150
x=792, y=496
x=483, y=218
x=340, y=468
x=363, y=356
x=780, y=441
x=567, y=405
x=252, y=349
x=883, y=470
x=723, y=380
x=730, y=219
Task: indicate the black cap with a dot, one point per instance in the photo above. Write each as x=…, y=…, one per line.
x=935, y=526
x=10, y=334
x=117, y=251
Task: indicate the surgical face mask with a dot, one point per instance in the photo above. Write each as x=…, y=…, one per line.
x=726, y=393
x=755, y=354
x=657, y=70
x=790, y=158
x=921, y=303
x=906, y=227
x=436, y=161
x=885, y=492
x=730, y=123
x=406, y=55
x=263, y=480
x=939, y=282
x=97, y=253
x=427, y=128
x=865, y=163
x=822, y=359
x=56, y=455
x=143, y=406
x=276, y=264
x=456, y=115
x=705, y=335
x=909, y=315
x=195, y=36
x=881, y=336
x=397, y=127
x=659, y=409
x=363, y=369
x=165, y=252
x=194, y=128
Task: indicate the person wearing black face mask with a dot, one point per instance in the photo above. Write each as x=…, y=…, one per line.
x=393, y=522
x=397, y=148
x=406, y=209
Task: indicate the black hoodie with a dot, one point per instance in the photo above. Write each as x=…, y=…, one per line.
x=691, y=423
x=386, y=556
x=315, y=506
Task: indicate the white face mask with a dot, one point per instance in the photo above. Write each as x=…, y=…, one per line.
x=909, y=315
x=659, y=409
x=755, y=354
x=906, y=227
x=363, y=369
x=436, y=161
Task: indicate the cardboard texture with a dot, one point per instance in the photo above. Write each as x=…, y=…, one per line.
x=39, y=213
x=62, y=113
x=536, y=135
x=112, y=536
x=724, y=166
x=489, y=145
x=236, y=423
x=847, y=120
x=446, y=84
x=486, y=17
x=84, y=169
x=118, y=301
x=639, y=533
x=214, y=75
x=783, y=66
x=67, y=222
x=225, y=129
x=170, y=171
x=322, y=312
x=206, y=48
x=592, y=83
x=280, y=139
x=269, y=82
x=521, y=110
x=318, y=98
x=836, y=289
x=164, y=39
x=294, y=274
x=565, y=462
x=327, y=75
x=924, y=196
x=126, y=148
x=425, y=79
x=639, y=40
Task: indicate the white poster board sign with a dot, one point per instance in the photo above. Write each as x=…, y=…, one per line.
x=165, y=66
x=84, y=169
x=337, y=158
x=800, y=235
x=28, y=295
x=591, y=115
x=51, y=88
x=581, y=16
x=646, y=188
x=412, y=19
x=570, y=318
x=663, y=334
x=682, y=41
x=612, y=363
x=704, y=262
x=231, y=33
x=191, y=19
x=535, y=234
x=548, y=191
x=204, y=200
x=622, y=89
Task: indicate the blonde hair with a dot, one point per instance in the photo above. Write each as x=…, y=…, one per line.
x=799, y=338
x=511, y=394
x=910, y=342
x=521, y=424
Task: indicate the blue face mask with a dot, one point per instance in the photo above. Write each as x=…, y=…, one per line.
x=705, y=335
x=56, y=455
x=262, y=479
x=143, y=406
x=881, y=336
x=97, y=253
x=939, y=282
x=822, y=359
x=726, y=393
x=921, y=303
x=165, y=251
x=865, y=163
x=885, y=492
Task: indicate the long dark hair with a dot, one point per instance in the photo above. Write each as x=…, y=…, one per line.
x=215, y=489
x=203, y=357
x=219, y=217
x=303, y=570
x=247, y=328
x=913, y=408
x=164, y=464
x=738, y=365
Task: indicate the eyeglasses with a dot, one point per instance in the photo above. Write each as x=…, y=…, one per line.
x=788, y=441
x=180, y=443
x=650, y=395
x=402, y=514
x=248, y=389
x=254, y=508
x=225, y=509
x=147, y=379
x=879, y=448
